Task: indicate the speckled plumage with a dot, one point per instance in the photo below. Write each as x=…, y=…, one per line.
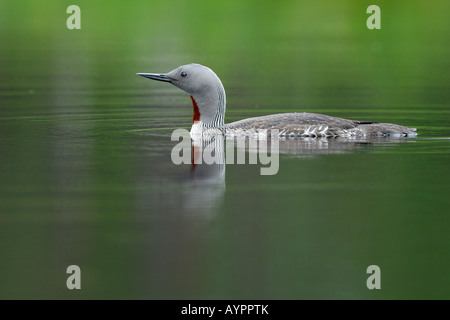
x=318, y=125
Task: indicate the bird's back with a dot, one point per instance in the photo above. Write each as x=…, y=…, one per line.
x=317, y=125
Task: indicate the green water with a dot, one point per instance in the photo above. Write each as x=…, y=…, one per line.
x=86, y=176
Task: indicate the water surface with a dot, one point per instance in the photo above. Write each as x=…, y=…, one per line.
x=86, y=176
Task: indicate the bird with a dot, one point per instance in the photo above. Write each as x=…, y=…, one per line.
x=209, y=103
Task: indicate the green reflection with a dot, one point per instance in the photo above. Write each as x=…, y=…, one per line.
x=85, y=171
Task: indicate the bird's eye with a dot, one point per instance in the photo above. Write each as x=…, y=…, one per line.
x=183, y=74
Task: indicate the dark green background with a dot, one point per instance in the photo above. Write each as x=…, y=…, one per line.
x=86, y=176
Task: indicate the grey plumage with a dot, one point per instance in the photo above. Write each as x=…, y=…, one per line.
x=319, y=125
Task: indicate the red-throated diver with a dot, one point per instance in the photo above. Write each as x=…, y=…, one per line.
x=208, y=98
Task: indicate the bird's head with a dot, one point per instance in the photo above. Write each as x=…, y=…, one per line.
x=204, y=87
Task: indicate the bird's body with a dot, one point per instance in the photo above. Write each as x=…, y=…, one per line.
x=209, y=102
x=318, y=125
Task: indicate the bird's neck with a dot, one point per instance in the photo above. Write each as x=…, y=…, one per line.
x=196, y=117
x=209, y=109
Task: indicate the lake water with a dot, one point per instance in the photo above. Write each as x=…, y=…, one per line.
x=86, y=176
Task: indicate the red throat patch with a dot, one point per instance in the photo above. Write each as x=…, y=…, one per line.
x=196, y=111
x=195, y=155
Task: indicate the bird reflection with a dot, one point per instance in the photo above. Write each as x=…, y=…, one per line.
x=339, y=145
x=199, y=192
x=205, y=186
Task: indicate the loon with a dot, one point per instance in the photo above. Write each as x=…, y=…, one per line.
x=209, y=101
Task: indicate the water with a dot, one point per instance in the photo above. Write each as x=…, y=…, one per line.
x=86, y=176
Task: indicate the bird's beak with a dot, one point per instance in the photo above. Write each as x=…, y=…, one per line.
x=155, y=76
